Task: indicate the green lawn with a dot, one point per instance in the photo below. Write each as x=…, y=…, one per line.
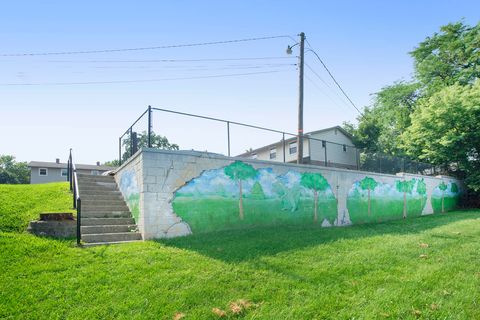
x=20, y=204
x=381, y=271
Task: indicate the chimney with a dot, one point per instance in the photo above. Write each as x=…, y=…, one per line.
x=98, y=163
x=57, y=160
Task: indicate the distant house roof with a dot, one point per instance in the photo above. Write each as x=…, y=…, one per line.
x=59, y=165
x=295, y=138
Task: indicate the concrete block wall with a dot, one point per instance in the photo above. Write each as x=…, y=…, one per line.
x=161, y=176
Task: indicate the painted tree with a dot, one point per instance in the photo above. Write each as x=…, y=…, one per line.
x=454, y=187
x=257, y=191
x=368, y=184
x=422, y=190
x=239, y=171
x=317, y=183
x=442, y=186
x=405, y=186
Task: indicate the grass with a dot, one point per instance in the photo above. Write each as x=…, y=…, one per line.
x=20, y=204
x=381, y=271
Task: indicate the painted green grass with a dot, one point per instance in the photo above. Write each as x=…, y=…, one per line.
x=449, y=204
x=382, y=209
x=20, y=204
x=370, y=271
x=210, y=214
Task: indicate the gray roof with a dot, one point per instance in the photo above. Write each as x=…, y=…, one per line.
x=41, y=164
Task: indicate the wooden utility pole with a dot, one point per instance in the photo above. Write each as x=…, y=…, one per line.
x=300, y=100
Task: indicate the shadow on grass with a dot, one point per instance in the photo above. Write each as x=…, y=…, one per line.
x=242, y=245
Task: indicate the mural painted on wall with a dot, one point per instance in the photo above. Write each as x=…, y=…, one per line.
x=239, y=195
x=445, y=197
x=373, y=201
x=129, y=188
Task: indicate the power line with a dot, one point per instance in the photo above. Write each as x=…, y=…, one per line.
x=333, y=78
x=325, y=83
x=170, y=60
x=138, y=81
x=325, y=93
x=141, y=48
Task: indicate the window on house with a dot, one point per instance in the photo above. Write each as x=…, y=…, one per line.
x=273, y=153
x=95, y=172
x=64, y=172
x=324, y=144
x=344, y=148
x=292, y=148
x=43, y=172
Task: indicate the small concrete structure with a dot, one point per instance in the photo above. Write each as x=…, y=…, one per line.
x=56, y=225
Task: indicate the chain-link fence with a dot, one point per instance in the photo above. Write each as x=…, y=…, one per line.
x=187, y=131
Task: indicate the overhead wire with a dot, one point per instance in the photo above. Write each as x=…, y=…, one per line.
x=327, y=85
x=333, y=78
x=140, y=80
x=25, y=54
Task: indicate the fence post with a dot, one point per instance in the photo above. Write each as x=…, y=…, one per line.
x=283, y=142
x=326, y=163
x=131, y=141
x=149, y=126
x=120, y=151
x=228, y=137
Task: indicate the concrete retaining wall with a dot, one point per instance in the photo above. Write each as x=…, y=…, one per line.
x=176, y=193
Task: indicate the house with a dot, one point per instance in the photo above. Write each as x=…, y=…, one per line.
x=327, y=147
x=43, y=172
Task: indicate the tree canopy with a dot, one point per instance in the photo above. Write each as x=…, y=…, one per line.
x=12, y=172
x=239, y=170
x=434, y=117
x=314, y=181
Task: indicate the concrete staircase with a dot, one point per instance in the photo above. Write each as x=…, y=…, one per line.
x=106, y=218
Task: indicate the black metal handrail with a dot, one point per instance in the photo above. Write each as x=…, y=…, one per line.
x=77, y=201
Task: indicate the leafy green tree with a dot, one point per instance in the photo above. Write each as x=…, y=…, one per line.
x=12, y=172
x=445, y=131
x=257, y=191
x=157, y=142
x=317, y=183
x=239, y=171
x=443, y=187
x=381, y=124
x=448, y=57
x=112, y=163
x=405, y=186
x=368, y=184
x=418, y=111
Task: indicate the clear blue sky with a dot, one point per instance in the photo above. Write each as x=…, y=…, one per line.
x=365, y=44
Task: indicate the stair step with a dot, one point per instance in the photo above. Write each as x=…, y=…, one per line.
x=109, y=237
x=88, y=202
x=100, y=193
x=107, y=221
x=110, y=196
x=108, y=229
x=93, y=244
x=112, y=214
x=109, y=187
x=88, y=177
x=104, y=208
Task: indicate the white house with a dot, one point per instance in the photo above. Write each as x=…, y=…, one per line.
x=327, y=147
